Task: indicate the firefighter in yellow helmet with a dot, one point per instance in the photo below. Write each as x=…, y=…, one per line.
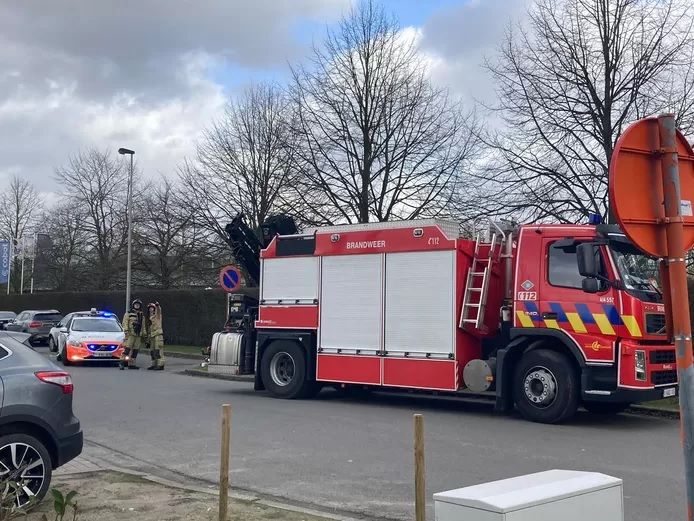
x=155, y=336
x=135, y=335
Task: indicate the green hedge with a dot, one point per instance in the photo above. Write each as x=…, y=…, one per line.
x=190, y=316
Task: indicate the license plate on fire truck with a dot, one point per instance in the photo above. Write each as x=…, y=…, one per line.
x=672, y=391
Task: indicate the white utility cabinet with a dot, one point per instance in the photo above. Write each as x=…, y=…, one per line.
x=553, y=495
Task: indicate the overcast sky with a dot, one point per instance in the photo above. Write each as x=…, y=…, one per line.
x=75, y=74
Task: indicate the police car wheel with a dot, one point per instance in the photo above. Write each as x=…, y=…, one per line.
x=283, y=370
x=546, y=387
x=51, y=345
x=63, y=358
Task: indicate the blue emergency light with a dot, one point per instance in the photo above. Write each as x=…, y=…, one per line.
x=594, y=219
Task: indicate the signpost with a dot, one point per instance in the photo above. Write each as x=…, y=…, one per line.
x=4, y=262
x=230, y=279
x=651, y=193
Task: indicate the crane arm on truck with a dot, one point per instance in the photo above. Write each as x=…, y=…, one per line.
x=245, y=246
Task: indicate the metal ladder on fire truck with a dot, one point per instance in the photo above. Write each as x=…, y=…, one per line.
x=478, y=276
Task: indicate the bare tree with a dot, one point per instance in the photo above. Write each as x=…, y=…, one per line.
x=97, y=183
x=66, y=259
x=166, y=239
x=243, y=161
x=377, y=140
x=20, y=207
x=568, y=83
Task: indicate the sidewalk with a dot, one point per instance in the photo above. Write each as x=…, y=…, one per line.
x=112, y=486
x=203, y=372
x=108, y=495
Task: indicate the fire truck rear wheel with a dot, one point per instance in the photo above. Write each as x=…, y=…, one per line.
x=546, y=387
x=283, y=369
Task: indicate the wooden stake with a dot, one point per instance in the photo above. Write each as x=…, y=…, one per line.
x=419, y=488
x=224, y=463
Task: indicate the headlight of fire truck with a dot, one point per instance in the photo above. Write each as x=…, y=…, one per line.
x=641, y=365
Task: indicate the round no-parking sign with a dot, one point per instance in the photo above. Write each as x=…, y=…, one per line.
x=230, y=279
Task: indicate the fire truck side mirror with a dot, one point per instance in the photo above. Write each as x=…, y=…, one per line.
x=587, y=255
x=591, y=285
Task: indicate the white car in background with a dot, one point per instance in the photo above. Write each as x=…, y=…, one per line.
x=94, y=337
x=53, y=333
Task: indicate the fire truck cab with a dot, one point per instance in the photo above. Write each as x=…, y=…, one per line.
x=541, y=317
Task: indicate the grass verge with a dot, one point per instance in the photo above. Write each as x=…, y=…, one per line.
x=115, y=496
x=666, y=404
x=185, y=350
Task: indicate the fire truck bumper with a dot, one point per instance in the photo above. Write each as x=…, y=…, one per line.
x=622, y=395
x=598, y=385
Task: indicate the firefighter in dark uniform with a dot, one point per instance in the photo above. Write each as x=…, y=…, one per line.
x=155, y=336
x=135, y=335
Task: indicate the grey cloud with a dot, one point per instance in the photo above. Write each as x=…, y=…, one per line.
x=471, y=27
x=108, y=46
x=463, y=36
x=109, y=73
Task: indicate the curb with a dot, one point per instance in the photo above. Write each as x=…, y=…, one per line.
x=249, y=497
x=186, y=356
x=642, y=410
x=638, y=410
x=234, y=378
x=182, y=481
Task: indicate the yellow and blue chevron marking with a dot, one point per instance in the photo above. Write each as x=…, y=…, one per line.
x=578, y=319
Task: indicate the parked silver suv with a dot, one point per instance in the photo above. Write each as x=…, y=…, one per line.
x=38, y=430
x=37, y=323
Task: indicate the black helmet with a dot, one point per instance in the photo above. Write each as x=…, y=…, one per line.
x=138, y=302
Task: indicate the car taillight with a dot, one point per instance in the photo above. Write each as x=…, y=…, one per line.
x=59, y=378
x=35, y=324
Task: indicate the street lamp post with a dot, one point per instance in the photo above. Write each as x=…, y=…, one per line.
x=131, y=153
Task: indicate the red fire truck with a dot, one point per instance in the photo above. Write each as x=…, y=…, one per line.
x=541, y=317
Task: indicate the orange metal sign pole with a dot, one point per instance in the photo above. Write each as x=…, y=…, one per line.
x=679, y=300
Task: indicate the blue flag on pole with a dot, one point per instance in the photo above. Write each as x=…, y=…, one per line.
x=4, y=261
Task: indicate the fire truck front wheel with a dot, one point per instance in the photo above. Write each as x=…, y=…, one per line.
x=546, y=387
x=283, y=369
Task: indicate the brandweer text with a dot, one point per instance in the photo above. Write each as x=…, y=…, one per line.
x=366, y=244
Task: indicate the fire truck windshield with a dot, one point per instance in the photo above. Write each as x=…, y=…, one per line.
x=639, y=272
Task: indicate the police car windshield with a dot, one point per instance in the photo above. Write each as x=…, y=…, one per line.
x=639, y=272
x=96, y=324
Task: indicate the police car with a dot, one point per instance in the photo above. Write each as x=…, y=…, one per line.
x=96, y=336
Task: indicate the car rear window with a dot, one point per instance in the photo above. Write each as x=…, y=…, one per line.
x=7, y=314
x=48, y=317
x=99, y=325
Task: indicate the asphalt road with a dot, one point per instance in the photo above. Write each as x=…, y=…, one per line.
x=356, y=454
